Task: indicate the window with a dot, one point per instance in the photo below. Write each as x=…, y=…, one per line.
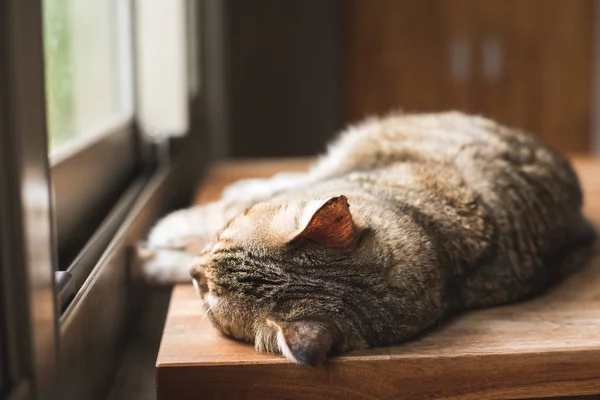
x=80, y=182
x=87, y=48
x=88, y=71
x=93, y=146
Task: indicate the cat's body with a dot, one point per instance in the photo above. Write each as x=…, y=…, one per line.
x=446, y=212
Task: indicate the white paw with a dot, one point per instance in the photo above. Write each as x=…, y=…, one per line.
x=170, y=230
x=160, y=266
x=247, y=188
x=262, y=188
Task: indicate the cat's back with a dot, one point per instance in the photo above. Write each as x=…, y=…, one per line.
x=447, y=138
x=461, y=172
x=490, y=159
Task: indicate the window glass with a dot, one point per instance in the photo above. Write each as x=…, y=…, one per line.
x=88, y=68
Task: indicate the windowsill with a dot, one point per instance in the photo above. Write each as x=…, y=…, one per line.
x=549, y=346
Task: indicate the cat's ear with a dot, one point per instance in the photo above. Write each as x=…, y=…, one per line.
x=328, y=222
x=304, y=342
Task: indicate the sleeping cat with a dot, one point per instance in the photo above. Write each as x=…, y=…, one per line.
x=406, y=220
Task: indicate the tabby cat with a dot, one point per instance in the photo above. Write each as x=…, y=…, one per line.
x=406, y=220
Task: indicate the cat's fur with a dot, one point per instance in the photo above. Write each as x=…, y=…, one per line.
x=405, y=220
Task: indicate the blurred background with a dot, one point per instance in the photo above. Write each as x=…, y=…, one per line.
x=301, y=70
x=292, y=73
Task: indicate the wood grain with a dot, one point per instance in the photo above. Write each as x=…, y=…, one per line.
x=546, y=347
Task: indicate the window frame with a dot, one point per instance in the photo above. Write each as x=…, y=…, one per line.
x=83, y=344
x=91, y=172
x=88, y=181
x=93, y=175
x=29, y=314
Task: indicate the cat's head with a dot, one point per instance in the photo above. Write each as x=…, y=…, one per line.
x=284, y=276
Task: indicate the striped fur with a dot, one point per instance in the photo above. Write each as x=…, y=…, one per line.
x=451, y=212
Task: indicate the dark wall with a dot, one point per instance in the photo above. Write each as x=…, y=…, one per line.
x=284, y=81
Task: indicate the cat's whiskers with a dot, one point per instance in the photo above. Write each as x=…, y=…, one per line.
x=209, y=309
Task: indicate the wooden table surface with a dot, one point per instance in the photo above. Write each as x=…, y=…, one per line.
x=549, y=346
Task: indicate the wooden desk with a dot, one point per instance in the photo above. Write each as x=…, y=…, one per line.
x=549, y=346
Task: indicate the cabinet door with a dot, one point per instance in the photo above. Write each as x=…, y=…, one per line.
x=526, y=63
x=395, y=56
x=535, y=66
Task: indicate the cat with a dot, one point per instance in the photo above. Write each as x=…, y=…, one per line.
x=406, y=220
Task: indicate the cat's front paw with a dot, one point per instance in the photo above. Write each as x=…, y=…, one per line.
x=160, y=266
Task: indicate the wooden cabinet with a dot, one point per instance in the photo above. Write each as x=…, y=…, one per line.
x=526, y=63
